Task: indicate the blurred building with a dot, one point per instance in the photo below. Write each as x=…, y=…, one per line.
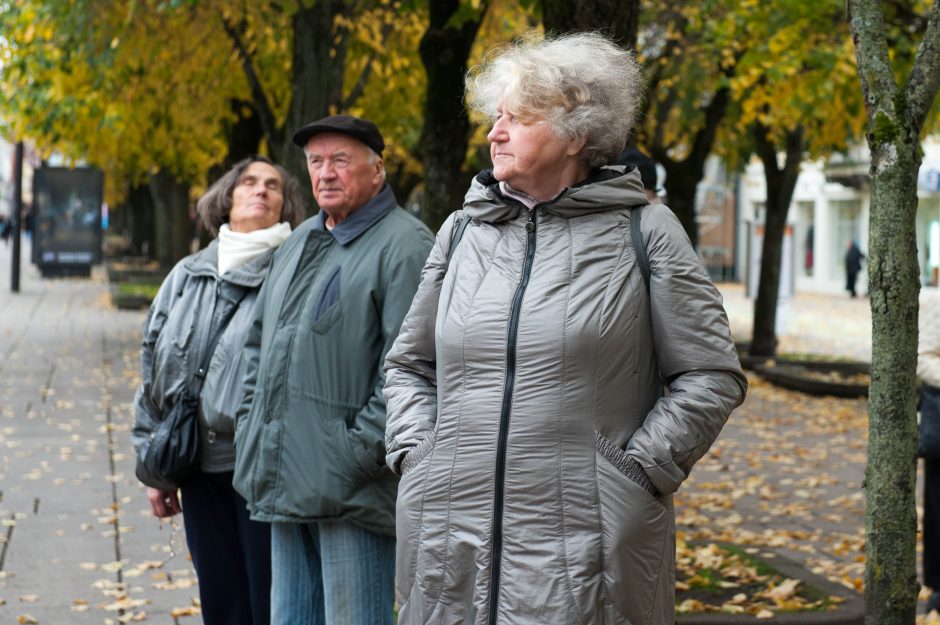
x=717, y=223
x=830, y=207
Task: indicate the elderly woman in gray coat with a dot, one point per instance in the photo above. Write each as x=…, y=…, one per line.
x=526, y=407
x=251, y=209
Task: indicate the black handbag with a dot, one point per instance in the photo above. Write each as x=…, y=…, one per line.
x=928, y=430
x=171, y=454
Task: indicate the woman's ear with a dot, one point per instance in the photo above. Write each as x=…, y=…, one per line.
x=575, y=145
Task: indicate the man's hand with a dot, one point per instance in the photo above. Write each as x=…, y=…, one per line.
x=163, y=503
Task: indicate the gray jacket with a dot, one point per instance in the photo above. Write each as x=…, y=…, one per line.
x=188, y=307
x=525, y=414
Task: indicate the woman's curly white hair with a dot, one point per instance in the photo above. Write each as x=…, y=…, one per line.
x=584, y=84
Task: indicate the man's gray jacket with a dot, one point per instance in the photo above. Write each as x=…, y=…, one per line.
x=309, y=441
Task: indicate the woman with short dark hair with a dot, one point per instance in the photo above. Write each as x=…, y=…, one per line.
x=251, y=209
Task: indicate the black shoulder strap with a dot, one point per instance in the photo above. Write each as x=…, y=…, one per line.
x=200, y=375
x=643, y=259
x=458, y=234
x=639, y=245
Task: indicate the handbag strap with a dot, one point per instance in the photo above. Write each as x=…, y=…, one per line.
x=199, y=376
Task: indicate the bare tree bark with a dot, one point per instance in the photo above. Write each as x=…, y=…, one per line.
x=895, y=118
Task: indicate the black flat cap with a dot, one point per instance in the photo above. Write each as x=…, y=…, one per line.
x=632, y=156
x=361, y=129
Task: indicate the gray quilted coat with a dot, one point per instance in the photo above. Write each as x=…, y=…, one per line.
x=538, y=456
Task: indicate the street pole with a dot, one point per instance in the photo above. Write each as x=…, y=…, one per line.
x=17, y=215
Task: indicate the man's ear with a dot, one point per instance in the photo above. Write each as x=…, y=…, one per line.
x=379, y=169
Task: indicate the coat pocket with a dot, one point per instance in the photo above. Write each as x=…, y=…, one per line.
x=638, y=536
x=409, y=511
x=414, y=457
x=329, y=304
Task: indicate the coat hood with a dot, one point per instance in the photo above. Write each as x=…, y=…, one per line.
x=605, y=189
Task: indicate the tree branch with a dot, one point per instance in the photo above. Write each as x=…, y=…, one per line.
x=258, y=96
x=866, y=19
x=924, y=79
x=907, y=16
x=714, y=113
x=360, y=86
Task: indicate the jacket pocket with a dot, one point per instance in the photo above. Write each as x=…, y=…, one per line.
x=420, y=451
x=638, y=536
x=627, y=465
x=328, y=308
x=409, y=513
x=365, y=466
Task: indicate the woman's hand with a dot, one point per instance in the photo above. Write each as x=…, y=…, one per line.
x=163, y=503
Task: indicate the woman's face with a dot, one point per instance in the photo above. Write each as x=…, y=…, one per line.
x=530, y=156
x=257, y=199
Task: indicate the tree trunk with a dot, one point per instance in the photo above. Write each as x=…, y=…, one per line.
x=780, y=186
x=318, y=61
x=617, y=19
x=682, y=177
x=174, y=229
x=890, y=475
x=243, y=138
x=445, y=48
x=140, y=221
x=895, y=117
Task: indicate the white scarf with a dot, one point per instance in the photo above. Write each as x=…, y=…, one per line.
x=238, y=248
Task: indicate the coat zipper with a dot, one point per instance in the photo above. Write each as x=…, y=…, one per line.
x=499, y=487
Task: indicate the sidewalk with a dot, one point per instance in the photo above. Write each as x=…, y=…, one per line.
x=835, y=325
x=78, y=543
x=786, y=472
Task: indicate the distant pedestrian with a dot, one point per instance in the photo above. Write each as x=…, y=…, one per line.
x=853, y=264
x=251, y=209
x=527, y=418
x=928, y=370
x=6, y=227
x=311, y=429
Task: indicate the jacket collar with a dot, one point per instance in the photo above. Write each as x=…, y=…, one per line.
x=205, y=263
x=607, y=188
x=350, y=228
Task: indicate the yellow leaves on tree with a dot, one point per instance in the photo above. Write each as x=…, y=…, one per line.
x=798, y=70
x=131, y=90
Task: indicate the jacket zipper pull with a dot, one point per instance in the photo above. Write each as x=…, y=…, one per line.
x=530, y=225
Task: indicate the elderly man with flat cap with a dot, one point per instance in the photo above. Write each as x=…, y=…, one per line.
x=310, y=453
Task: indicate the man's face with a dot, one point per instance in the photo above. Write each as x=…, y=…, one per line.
x=341, y=175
